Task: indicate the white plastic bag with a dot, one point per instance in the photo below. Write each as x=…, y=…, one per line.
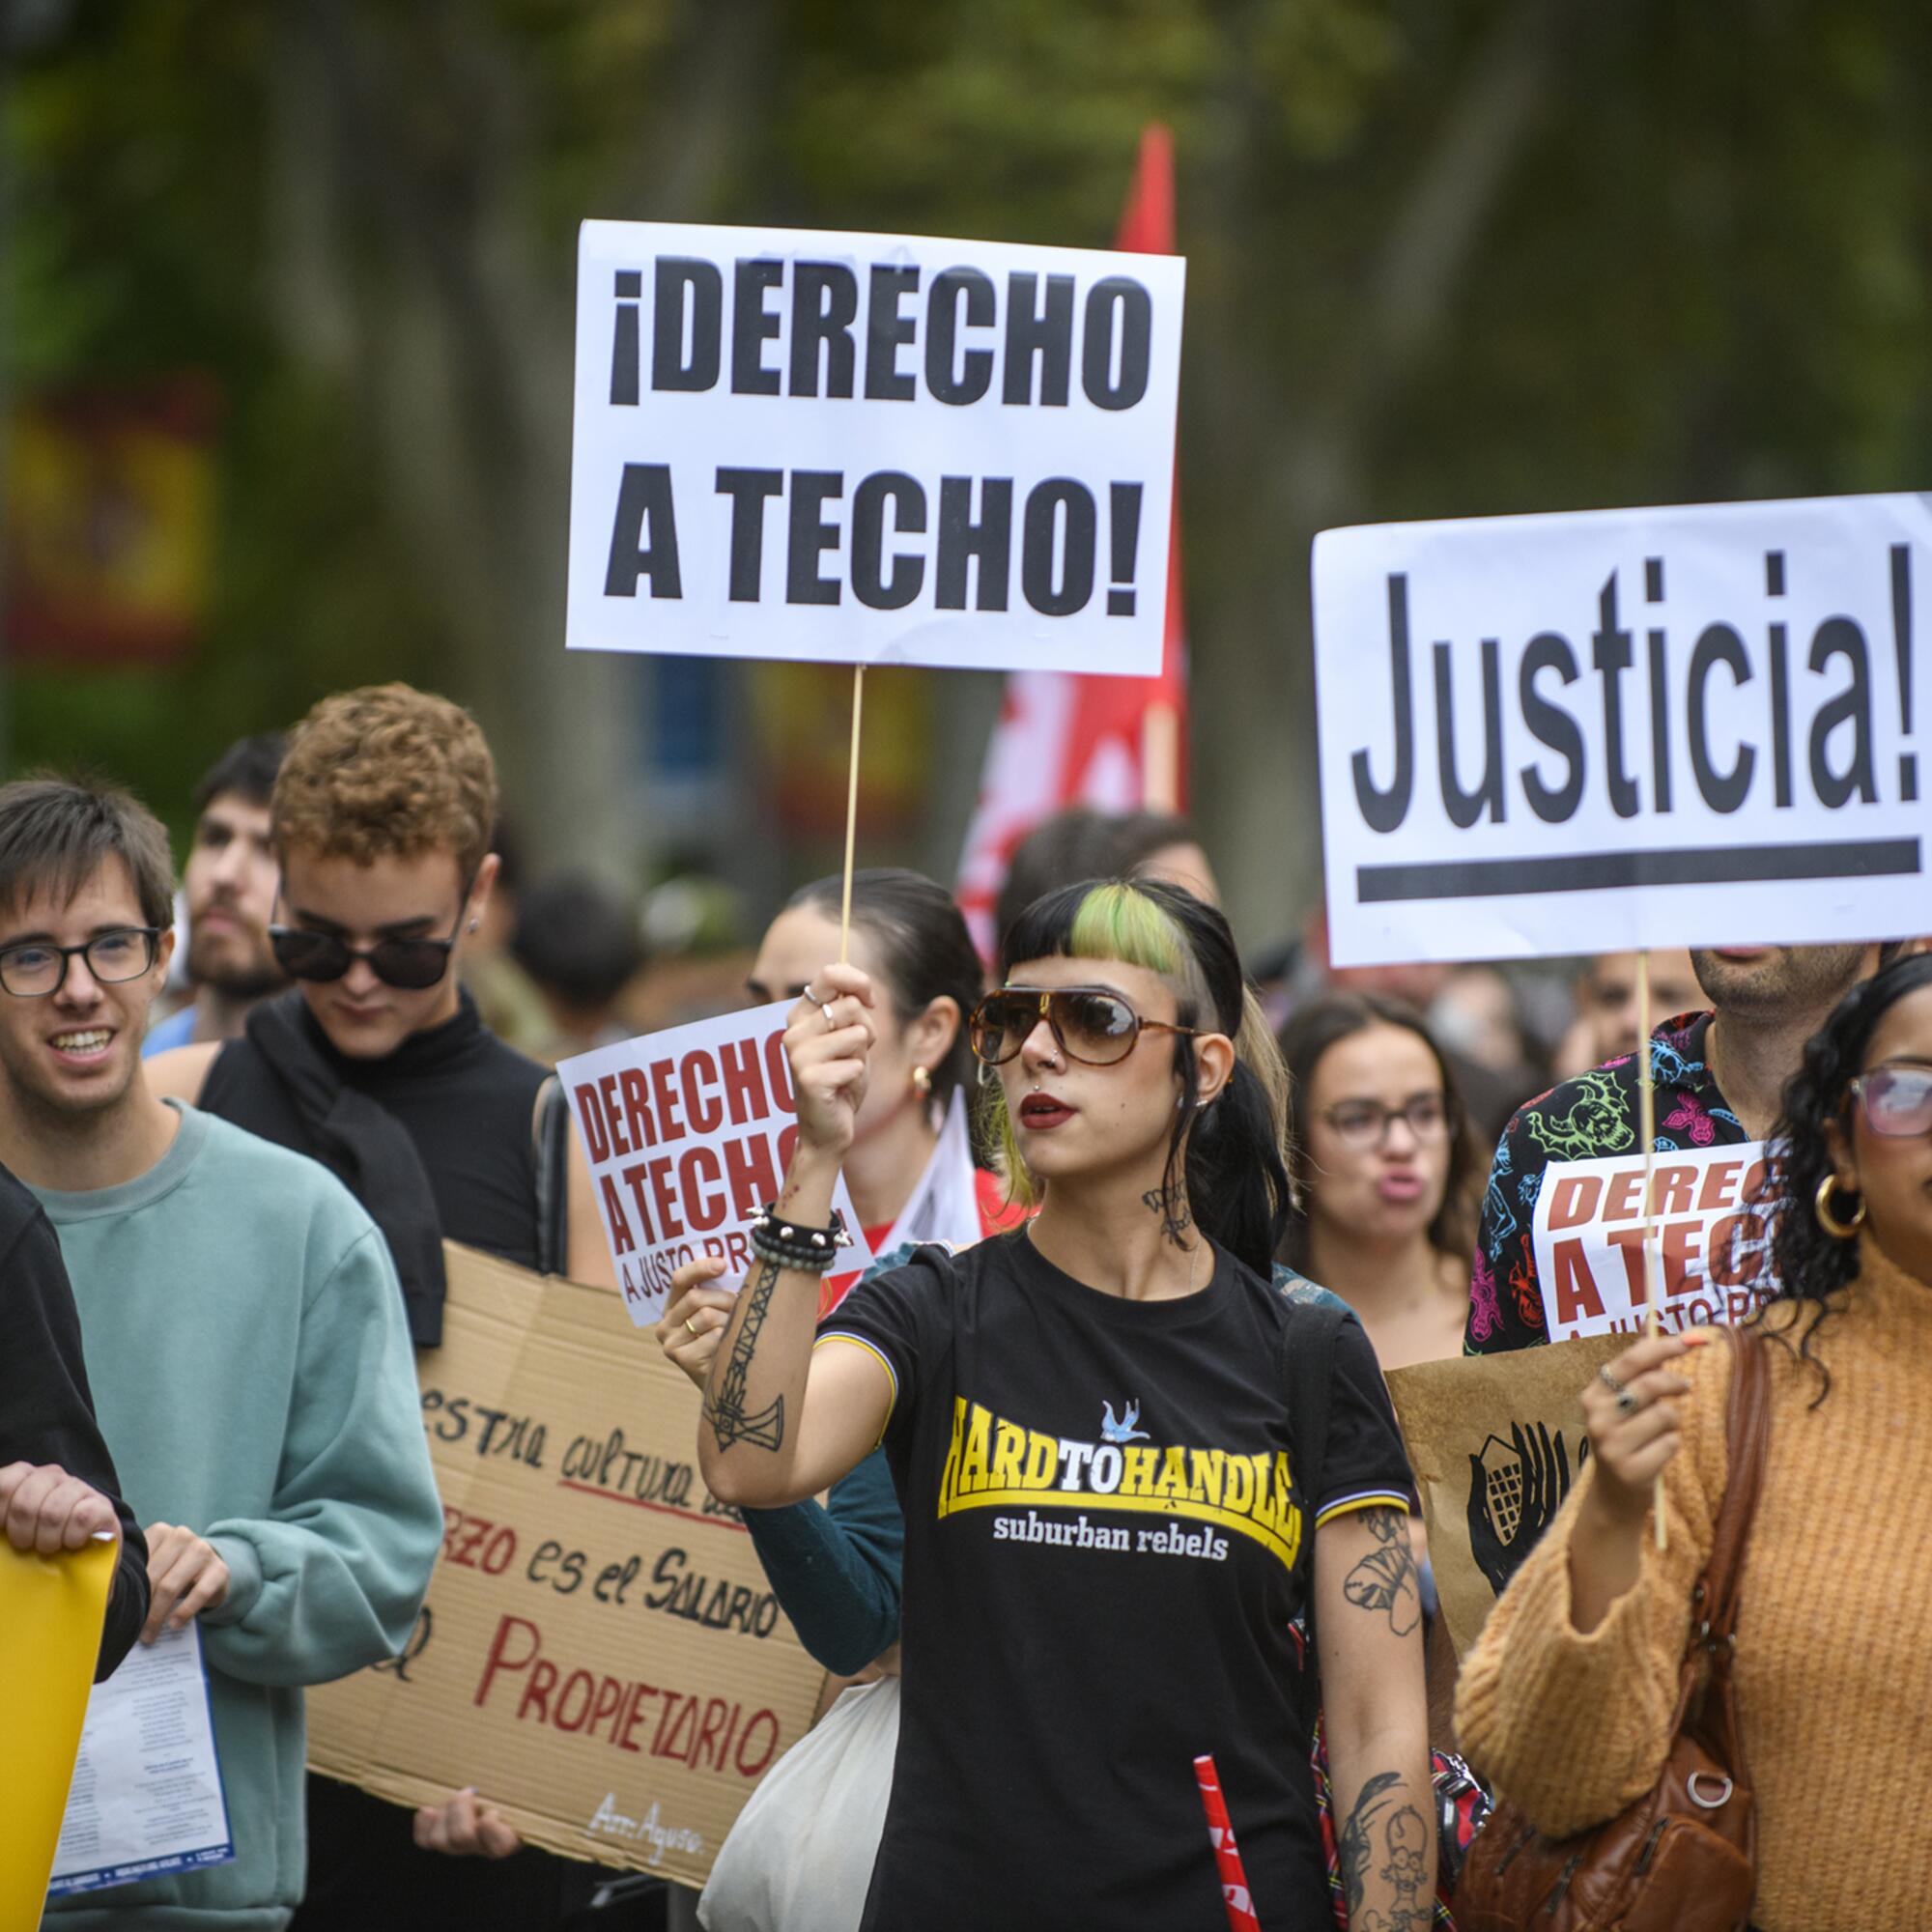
x=800, y=1857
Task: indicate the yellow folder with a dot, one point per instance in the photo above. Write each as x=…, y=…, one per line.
x=51, y=1610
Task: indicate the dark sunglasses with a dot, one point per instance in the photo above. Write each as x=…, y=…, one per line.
x=1897, y=1100
x=411, y=965
x=1088, y=1023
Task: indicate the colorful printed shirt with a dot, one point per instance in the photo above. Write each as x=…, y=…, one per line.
x=1594, y=1115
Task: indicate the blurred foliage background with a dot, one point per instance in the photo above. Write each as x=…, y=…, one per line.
x=1446, y=257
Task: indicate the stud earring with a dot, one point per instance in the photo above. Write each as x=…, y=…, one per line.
x=922, y=1083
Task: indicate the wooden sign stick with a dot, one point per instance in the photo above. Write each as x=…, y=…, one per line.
x=851, y=815
x=1646, y=1112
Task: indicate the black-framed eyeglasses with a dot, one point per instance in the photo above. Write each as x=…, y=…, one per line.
x=1088, y=1023
x=1896, y=1100
x=1363, y=1124
x=410, y=965
x=37, y=967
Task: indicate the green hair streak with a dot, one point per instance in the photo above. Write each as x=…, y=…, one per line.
x=1116, y=920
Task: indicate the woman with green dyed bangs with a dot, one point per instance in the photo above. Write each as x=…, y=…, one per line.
x=1131, y=1472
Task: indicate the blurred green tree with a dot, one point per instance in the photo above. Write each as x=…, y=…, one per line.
x=1502, y=255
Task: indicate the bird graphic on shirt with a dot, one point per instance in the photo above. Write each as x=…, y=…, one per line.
x=1123, y=1430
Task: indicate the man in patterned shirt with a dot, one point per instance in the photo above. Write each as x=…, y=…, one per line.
x=1719, y=1076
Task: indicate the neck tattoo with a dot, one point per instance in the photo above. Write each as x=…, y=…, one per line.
x=1176, y=1217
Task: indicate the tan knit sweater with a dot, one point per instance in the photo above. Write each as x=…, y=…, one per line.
x=1834, y=1630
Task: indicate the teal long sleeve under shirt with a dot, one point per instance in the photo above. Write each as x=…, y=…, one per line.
x=254, y=1382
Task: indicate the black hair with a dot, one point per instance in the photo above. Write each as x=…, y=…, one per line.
x=1080, y=844
x=577, y=939
x=247, y=769
x=55, y=834
x=1810, y=1264
x=924, y=949
x=1326, y=1021
x=1229, y=1155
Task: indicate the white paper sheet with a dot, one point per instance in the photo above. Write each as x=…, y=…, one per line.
x=147, y=1796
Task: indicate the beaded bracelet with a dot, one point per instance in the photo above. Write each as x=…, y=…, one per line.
x=808, y=1250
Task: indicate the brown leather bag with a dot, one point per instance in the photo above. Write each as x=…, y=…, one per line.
x=1684, y=1857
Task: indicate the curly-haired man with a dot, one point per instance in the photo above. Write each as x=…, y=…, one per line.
x=379, y=1065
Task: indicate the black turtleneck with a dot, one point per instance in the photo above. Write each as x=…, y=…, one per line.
x=465, y=1100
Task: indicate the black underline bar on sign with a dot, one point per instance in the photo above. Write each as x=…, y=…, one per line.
x=1598, y=872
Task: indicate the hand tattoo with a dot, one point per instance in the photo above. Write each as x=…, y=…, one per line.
x=1171, y=1205
x=726, y=1410
x=1386, y=1838
x=1385, y=1578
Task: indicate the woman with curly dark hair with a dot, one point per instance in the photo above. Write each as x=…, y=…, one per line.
x=1567, y=1698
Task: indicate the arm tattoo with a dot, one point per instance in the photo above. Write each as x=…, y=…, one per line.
x=726, y=1410
x=1387, y=1839
x=1171, y=1205
x=1385, y=1578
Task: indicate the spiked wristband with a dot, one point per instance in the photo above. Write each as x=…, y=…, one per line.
x=791, y=1244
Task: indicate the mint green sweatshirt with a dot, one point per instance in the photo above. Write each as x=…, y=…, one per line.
x=254, y=1382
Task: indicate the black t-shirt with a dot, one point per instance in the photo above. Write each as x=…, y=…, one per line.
x=46, y=1410
x=1106, y=1547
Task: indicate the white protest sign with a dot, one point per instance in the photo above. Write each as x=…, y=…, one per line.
x=1715, y=1217
x=878, y=449
x=688, y=1133
x=1553, y=735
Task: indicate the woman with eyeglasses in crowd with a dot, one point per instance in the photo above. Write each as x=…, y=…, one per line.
x=1384, y=1165
x=1567, y=1698
x=1088, y=1426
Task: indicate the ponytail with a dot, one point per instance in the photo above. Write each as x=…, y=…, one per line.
x=1234, y=1155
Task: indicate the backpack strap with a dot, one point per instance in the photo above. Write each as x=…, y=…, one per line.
x=553, y=1151
x=1307, y=1352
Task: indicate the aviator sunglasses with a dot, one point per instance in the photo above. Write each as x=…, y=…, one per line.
x=1088, y=1023
x=410, y=965
x=1897, y=1100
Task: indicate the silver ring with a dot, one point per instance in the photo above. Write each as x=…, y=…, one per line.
x=821, y=1004
x=1609, y=1381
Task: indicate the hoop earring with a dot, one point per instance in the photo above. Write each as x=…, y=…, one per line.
x=1821, y=1206
x=922, y=1083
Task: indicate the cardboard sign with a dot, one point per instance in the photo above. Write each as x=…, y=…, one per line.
x=1716, y=1211
x=601, y=1655
x=1495, y=1443
x=688, y=1133
x=883, y=450
x=1552, y=734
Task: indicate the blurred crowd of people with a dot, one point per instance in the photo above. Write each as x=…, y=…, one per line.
x=240, y=1117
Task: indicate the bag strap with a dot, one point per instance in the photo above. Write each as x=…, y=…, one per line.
x=1747, y=1438
x=1715, y=1599
x=553, y=1150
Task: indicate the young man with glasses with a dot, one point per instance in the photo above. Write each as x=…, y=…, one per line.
x=380, y=1066
x=244, y=1340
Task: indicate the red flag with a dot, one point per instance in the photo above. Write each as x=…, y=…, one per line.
x=1114, y=743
